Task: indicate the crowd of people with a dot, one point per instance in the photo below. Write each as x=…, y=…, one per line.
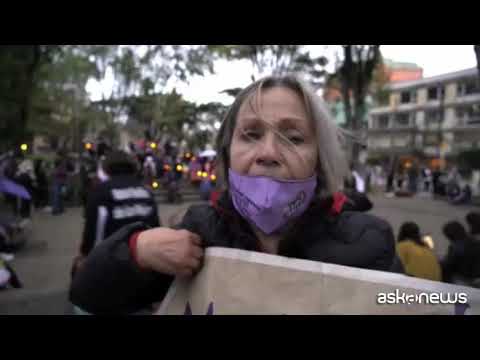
x=411, y=179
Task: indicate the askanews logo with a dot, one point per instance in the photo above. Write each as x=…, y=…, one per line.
x=398, y=297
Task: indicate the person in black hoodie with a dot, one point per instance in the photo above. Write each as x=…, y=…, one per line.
x=119, y=201
x=473, y=221
x=462, y=262
x=278, y=134
x=41, y=189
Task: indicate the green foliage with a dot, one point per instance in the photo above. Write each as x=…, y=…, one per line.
x=42, y=87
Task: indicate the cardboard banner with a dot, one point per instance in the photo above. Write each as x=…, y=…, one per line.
x=239, y=282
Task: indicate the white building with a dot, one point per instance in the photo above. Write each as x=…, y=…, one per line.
x=437, y=117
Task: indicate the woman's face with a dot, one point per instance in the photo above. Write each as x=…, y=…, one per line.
x=276, y=139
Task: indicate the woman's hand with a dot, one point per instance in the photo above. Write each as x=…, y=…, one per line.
x=168, y=251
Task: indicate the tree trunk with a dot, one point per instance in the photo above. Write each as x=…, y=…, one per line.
x=346, y=85
x=25, y=105
x=477, y=54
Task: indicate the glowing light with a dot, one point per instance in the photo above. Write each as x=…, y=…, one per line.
x=427, y=239
x=24, y=147
x=179, y=167
x=88, y=146
x=204, y=174
x=199, y=173
x=155, y=184
x=153, y=145
x=213, y=177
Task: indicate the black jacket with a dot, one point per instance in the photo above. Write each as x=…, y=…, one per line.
x=462, y=259
x=110, y=282
x=111, y=205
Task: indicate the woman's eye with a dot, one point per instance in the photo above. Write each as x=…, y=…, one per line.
x=296, y=139
x=251, y=135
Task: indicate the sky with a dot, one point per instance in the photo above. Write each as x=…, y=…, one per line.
x=434, y=59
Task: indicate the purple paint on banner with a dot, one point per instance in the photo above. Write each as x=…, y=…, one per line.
x=188, y=309
x=460, y=309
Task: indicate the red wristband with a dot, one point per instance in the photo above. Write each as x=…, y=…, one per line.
x=132, y=245
x=338, y=200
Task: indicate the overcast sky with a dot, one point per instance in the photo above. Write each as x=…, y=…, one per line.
x=434, y=59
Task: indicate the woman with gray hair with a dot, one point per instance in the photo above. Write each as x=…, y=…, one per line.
x=282, y=167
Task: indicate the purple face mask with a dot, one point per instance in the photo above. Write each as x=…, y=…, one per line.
x=270, y=203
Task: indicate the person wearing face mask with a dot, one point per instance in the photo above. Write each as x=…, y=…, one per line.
x=281, y=163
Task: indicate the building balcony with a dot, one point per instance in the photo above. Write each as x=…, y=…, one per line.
x=381, y=110
x=393, y=129
x=466, y=99
x=391, y=150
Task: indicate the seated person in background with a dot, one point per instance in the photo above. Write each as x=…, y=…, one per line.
x=463, y=196
x=462, y=262
x=473, y=221
x=417, y=258
x=355, y=197
x=281, y=161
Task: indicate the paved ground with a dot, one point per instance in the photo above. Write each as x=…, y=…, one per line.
x=44, y=264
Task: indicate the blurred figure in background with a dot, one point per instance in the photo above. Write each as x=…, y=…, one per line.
x=25, y=176
x=41, y=190
x=355, y=198
x=427, y=179
x=461, y=265
x=462, y=194
x=417, y=258
x=412, y=179
x=59, y=182
x=473, y=221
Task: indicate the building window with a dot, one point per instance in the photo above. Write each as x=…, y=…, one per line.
x=383, y=122
x=435, y=93
x=407, y=97
x=401, y=141
x=467, y=87
x=431, y=140
x=433, y=117
x=403, y=120
x=468, y=115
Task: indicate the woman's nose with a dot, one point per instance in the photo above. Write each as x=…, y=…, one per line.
x=268, y=151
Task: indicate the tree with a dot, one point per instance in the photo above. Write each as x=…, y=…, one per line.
x=275, y=60
x=355, y=74
x=476, y=48
x=61, y=92
x=142, y=71
x=19, y=68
